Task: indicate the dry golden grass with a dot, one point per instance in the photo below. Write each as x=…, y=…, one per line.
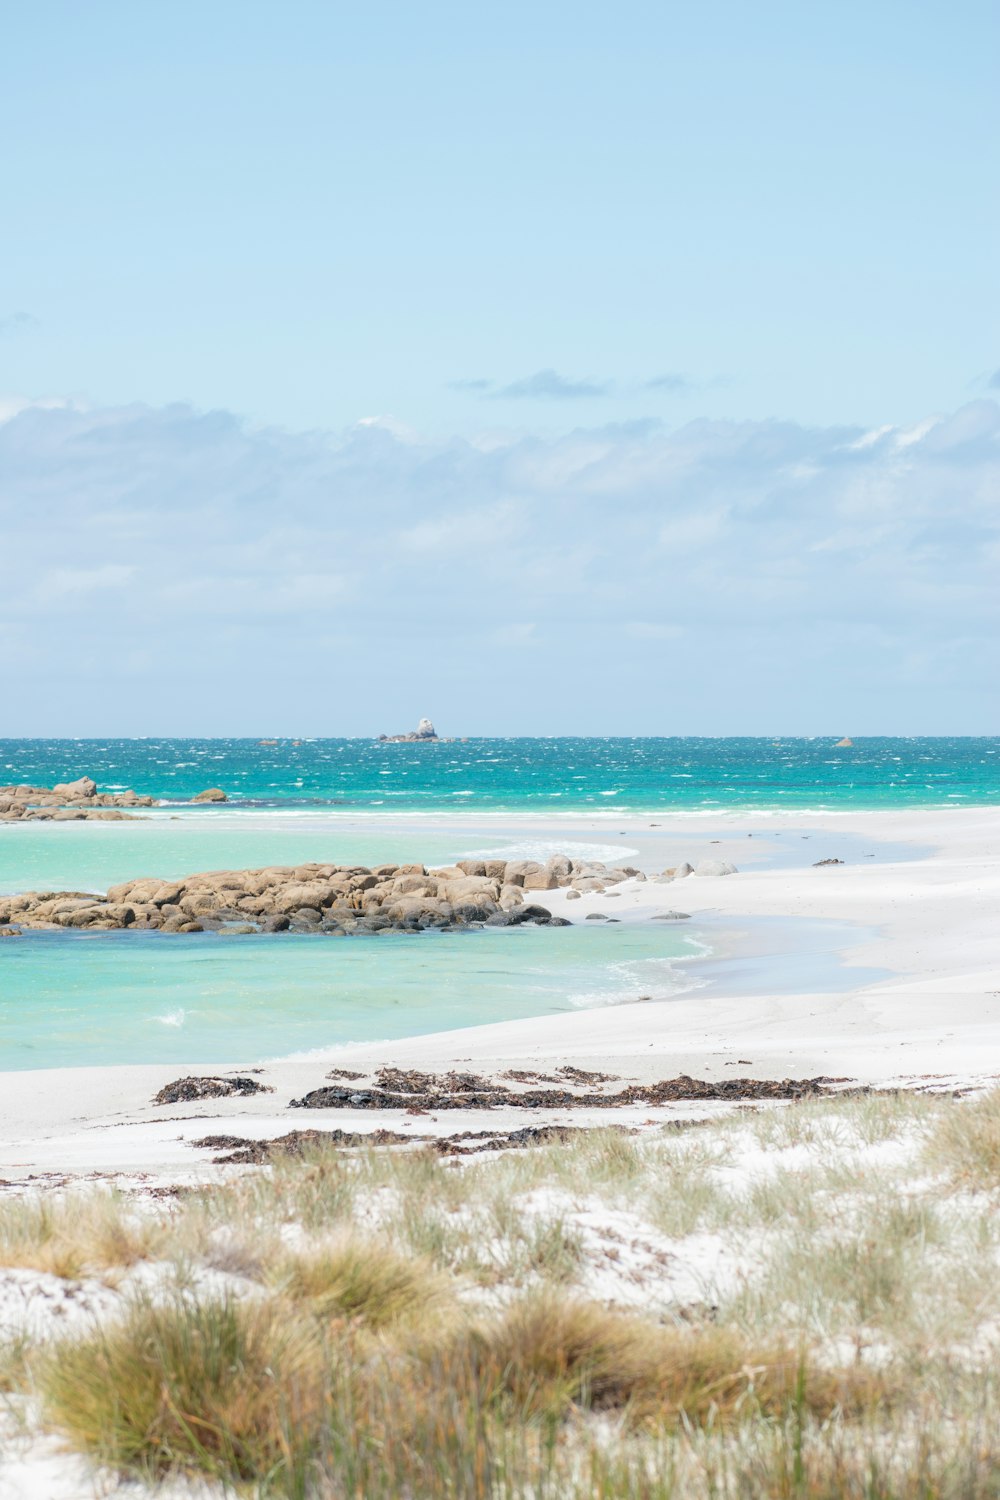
x=353, y=1278
x=418, y=1329
x=77, y=1235
x=548, y=1353
x=225, y=1389
x=965, y=1142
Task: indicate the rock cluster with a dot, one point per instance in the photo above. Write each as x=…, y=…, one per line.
x=333, y=899
x=709, y=867
x=424, y=731
x=67, y=801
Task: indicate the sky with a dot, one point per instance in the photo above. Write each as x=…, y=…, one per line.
x=548, y=368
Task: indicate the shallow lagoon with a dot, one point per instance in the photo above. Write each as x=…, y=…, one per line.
x=73, y=999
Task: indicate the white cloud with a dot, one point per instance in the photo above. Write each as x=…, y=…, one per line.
x=797, y=574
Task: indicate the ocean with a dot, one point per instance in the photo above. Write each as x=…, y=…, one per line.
x=605, y=777
x=70, y=999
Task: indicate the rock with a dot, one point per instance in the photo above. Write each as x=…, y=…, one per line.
x=83, y=787
x=821, y=862
x=307, y=898
x=424, y=731
x=7, y=931
x=844, y=744
x=671, y=916
x=65, y=802
x=210, y=794
x=714, y=867
x=681, y=871
x=596, y=916
x=573, y=895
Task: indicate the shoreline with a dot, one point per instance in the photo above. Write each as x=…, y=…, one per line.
x=933, y=1020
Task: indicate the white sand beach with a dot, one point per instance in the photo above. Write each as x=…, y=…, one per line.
x=929, y=925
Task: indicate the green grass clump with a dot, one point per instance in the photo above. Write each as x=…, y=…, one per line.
x=76, y=1235
x=235, y=1391
x=809, y=1316
x=357, y=1279
x=965, y=1142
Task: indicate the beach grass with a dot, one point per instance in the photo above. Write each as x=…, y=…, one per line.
x=799, y=1301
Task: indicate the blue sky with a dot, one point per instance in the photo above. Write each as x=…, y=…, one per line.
x=625, y=299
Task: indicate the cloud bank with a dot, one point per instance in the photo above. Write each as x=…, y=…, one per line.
x=168, y=570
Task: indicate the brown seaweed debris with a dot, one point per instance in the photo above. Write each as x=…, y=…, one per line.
x=184, y=1090
x=479, y=1093
x=580, y=1075
x=239, y=1151
x=256, y=1153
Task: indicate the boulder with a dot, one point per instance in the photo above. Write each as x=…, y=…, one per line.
x=68, y=790
x=311, y=893
x=210, y=794
x=714, y=867
x=471, y=886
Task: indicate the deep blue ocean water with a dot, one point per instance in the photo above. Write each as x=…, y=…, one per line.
x=519, y=776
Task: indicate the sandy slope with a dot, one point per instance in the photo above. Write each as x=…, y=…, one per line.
x=933, y=928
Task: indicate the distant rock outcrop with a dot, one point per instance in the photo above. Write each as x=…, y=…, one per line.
x=67, y=801
x=844, y=744
x=210, y=794
x=424, y=731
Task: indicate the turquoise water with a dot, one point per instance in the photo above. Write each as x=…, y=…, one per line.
x=605, y=776
x=71, y=999
x=75, y=998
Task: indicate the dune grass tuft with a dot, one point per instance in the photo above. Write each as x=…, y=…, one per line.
x=230, y=1390
x=965, y=1142
x=796, y=1305
x=549, y=1353
x=352, y=1278
x=76, y=1235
